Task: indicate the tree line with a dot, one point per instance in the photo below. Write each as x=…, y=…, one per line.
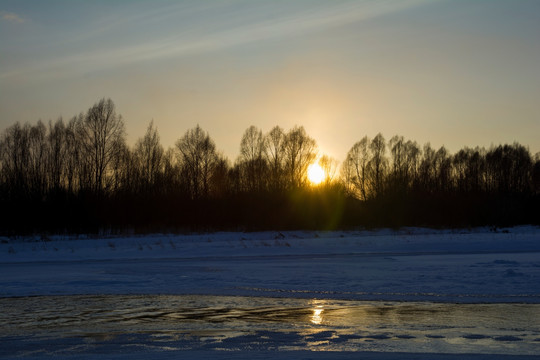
x=82, y=176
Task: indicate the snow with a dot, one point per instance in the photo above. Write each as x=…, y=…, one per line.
x=412, y=265
x=477, y=265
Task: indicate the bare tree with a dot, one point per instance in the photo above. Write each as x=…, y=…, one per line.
x=404, y=164
x=101, y=135
x=300, y=151
x=355, y=169
x=252, y=145
x=412, y=159
x=399, y=167
x=329, y=166
x=397, y=150
x=469, y=170
x=148, y=156
x=15, y=159
x=169, y=181
x=378, y=163
x=78, y=164
x=219, y=179
x=435, y=171
x=274, y=152
x=536, y=174
x=426, y=171
x=251, y=162
x=197, y=157
x=443, y=170
x=509, y=168
x=37, y=148
x=57, y=153
x=123, y=170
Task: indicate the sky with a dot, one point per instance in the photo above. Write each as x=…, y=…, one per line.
x=454, y=73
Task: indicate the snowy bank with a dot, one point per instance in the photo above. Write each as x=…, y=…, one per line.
x=240, y=244
x=478, y=265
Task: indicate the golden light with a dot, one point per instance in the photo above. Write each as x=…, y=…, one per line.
x=315, y=174
x=317, y=318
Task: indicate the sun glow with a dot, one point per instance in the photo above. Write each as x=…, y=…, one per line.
x=315, y=174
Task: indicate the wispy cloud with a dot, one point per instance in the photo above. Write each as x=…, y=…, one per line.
x=241, y=31
x=11, y=17
x=214, y=33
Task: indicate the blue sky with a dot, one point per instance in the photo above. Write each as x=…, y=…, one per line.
x=455, y=73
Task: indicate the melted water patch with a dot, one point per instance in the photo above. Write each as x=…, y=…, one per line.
x=87, y=324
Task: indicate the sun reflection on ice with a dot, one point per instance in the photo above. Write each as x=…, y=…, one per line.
x=317, y=317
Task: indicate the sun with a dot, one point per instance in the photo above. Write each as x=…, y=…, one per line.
x=315, y=174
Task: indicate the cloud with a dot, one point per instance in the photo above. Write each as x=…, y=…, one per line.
x=242, y=31
x=203, y=29
x=11, y=17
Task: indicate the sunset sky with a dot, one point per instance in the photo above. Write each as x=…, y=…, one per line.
x=455, y=73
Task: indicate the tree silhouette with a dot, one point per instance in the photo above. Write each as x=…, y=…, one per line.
x=355, y=169
x=101, y=135
x=330, y=167
x=274, y=152
x=148, y=159
x=82, y=176
x=378, y=163
x=299, y=152
x=197, y=157
x=252, y=162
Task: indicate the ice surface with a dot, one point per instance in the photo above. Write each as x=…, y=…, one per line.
x=413, y=265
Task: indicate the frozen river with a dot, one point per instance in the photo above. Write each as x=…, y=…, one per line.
x=45, y=326
x=407, y=294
